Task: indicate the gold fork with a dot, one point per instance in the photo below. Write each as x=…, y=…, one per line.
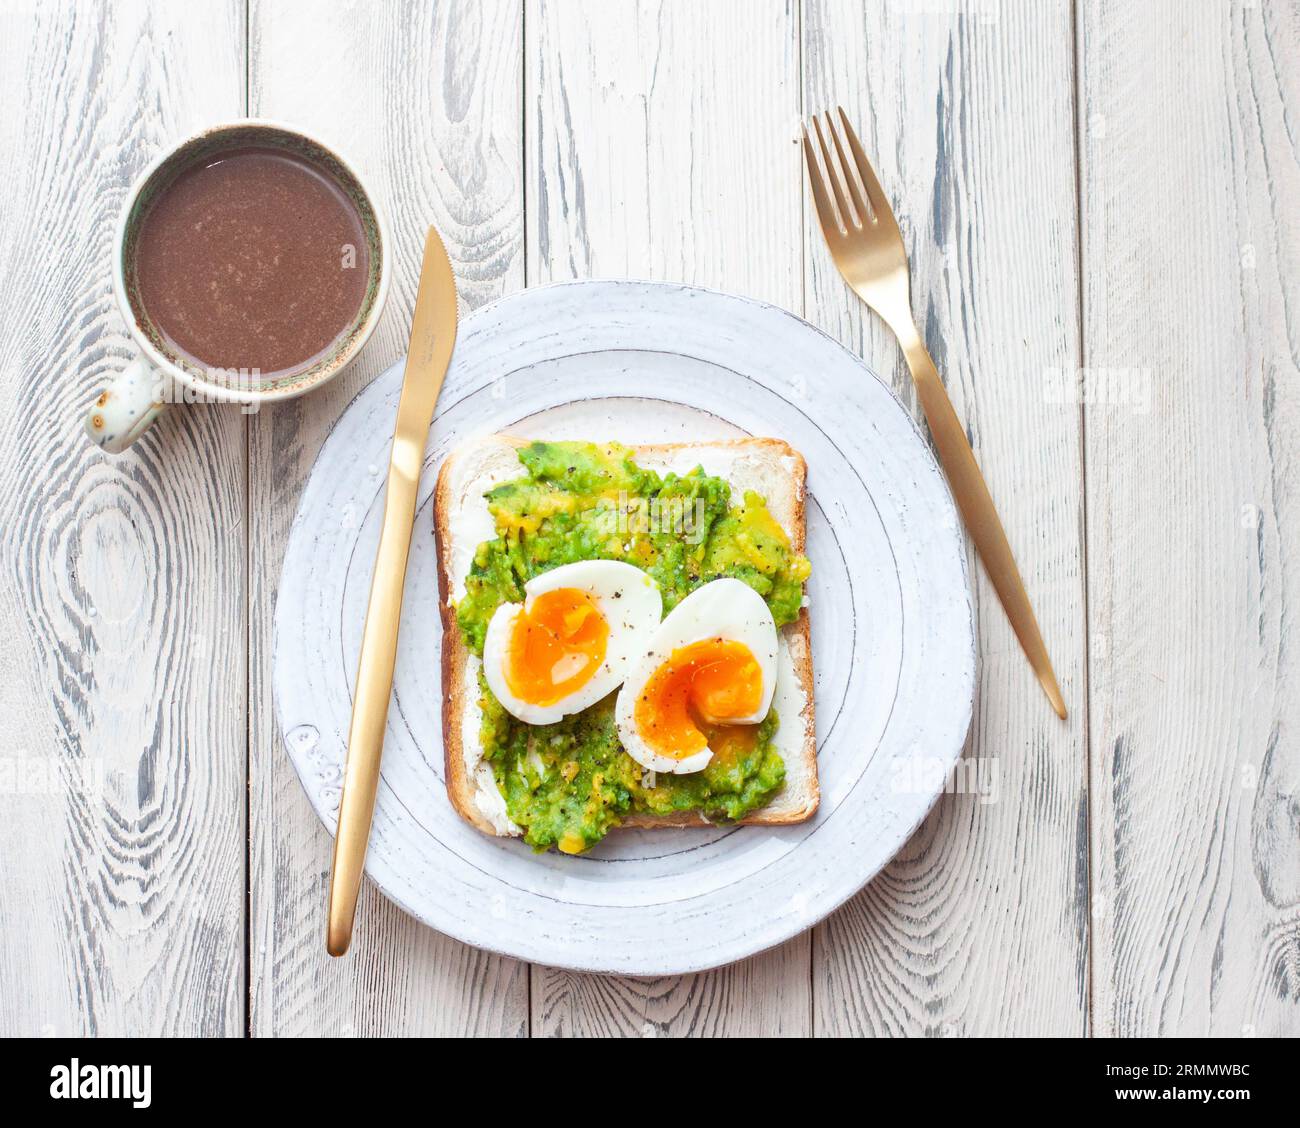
x=868, y=250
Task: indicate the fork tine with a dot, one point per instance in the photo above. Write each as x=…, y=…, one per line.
x=859, y=204
x=825, y=209
x=832, y=174
x=876, y=194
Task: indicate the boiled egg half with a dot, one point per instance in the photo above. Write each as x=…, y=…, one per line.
x=711, y=666
x=572, y=640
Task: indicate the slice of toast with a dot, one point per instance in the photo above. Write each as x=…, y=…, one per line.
x=769, y=467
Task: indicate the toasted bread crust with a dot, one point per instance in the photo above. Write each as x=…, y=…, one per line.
x=455, y=655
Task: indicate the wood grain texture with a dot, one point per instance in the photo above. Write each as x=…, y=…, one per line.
x=657, y=140
x=764, y=996
x=121, y=788
x=979, y=927
x=1191, y=179
x=426, y=99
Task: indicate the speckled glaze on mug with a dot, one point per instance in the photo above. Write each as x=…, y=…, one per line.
x=126, y=409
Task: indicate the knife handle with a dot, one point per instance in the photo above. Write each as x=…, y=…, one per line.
x=370, y=706
x=976, y=504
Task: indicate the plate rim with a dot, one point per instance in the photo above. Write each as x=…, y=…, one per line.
x=833, y=902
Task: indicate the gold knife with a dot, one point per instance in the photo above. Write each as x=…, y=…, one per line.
x=433, y=334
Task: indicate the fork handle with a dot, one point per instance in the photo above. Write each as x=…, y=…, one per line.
x=976, y=505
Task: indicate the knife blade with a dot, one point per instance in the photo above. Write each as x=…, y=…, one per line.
x=433, y=336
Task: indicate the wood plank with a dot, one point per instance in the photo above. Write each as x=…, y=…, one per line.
x=1190, y=183
x=426, y=98
x=658, y=142
x=123, y=679
x=979, y=927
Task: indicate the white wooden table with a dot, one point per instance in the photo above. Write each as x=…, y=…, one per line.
x=1097, y=185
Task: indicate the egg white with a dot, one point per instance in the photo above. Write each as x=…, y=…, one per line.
x=628, y=600
x=726, y=609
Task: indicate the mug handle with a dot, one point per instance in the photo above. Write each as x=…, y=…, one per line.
x=127, y=408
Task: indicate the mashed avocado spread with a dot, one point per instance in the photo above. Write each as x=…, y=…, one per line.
x=568, y=783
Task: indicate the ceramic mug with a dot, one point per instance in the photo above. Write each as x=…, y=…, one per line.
x=161, y=374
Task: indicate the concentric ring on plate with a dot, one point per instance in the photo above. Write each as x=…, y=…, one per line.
x=892, y=631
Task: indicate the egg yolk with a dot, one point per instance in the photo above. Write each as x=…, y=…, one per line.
x=700, y=686
x=556, y=646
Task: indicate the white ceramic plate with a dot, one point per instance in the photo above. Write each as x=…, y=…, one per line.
x=893, y=643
